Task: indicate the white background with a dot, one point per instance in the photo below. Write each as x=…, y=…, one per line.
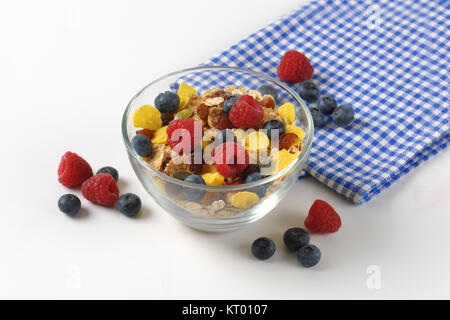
x=68, y=69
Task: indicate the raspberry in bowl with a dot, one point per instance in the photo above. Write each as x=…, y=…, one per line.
x=212, y=150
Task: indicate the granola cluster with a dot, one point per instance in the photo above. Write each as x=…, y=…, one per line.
x=191, y=134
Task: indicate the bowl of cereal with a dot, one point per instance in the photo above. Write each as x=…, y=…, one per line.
x=217, y=147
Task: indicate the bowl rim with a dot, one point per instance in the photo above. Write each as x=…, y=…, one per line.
x=301, y=157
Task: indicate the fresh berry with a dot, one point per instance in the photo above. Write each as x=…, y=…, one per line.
x=268, y=89
x=113, y=172
x=326, y=104
x=129, y=204
x=263, y=248
x=167, y=102
x=194, y=193
x=295, y=238
x=294, y=67
x=70, y=204
x=309, y=255
x=73, y=170
x=182, y=136
x=308, y=90
x=343, y=115
x=225, y=123
x=322, y=218
x=142, y=145
x=230, y=159
x=259, y=190
x=223, y=136
x=274, y=127
x=246, y=112
x=317, y=116
x=101, y=189
x=287, y=140
x=229, y=102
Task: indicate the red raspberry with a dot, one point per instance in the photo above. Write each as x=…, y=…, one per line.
x=230, y=159
x=322, y=218
x=183, y=135
x=294, y=67
x=73, y=170
x=246, y=112
x=101, y=189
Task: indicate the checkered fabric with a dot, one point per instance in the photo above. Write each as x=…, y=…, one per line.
x=389, y=60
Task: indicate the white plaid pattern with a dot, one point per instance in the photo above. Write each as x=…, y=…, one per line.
x=388, y=59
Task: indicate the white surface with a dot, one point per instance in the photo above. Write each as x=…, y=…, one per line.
x=68, y=69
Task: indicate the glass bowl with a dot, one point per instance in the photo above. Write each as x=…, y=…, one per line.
x=213, y=211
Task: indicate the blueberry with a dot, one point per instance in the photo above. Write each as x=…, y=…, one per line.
x=295, y=238
x=70, y=204
x=167, y=102
x=343, y=115
x=129, y=204
x=142, y=145
x=308, y=90
x=309, y=255
x=192, y=193
x=259, y=190
x=326, y=104
x=113, y=172
x=263, y=248
x=229, y=103
x=226, y=135
x=268, y=89
x=272, y=126
x=317, y=116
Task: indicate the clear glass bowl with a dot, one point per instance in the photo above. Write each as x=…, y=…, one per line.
x=202, y=214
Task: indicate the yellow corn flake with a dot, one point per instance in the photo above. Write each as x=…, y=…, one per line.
x=213, y=179
x=244, y=199
x=160, y=136
x=282, y=159
x=297, y=131
x=208, y=168
x=184, y=92
x=288, y=111
x=256, y=140
x=147, y=117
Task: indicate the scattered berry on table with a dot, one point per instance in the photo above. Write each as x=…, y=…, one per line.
x=129, y=204
x=229, y=102
x=193, y=193
x=101, y=189
x=343, y=115
x=326, y=104
x=246, y=112
x=322, y=218
x=309, y=255
x=142, y=145
x=269, y=90
x=259, y=190
x=295, y=238
x=308, y=90
x=113, y=172
x=274, y=128
x=226, y=135
x=181, y=135
x=263, y=248
x=73, y=170
x=230, y=159
x=70, y=204
x=294, y=67
x=317, y=116
x=167, y=102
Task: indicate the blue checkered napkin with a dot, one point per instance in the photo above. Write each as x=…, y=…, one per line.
x=389, y=60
